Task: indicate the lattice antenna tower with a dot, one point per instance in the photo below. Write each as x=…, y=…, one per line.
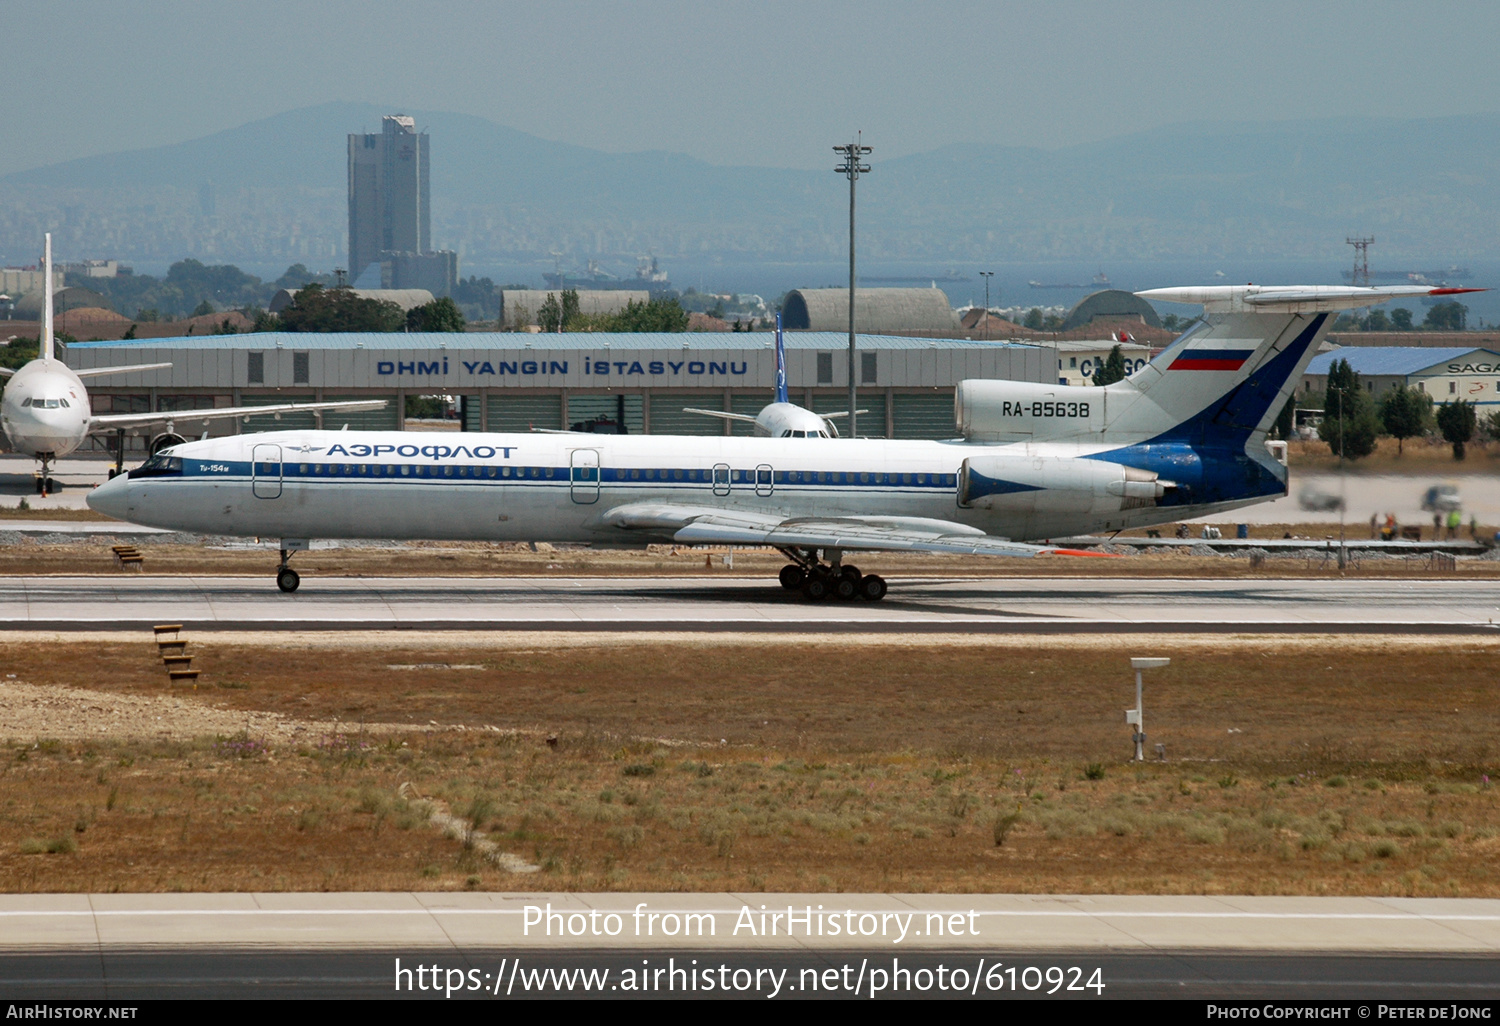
x=1361, y=275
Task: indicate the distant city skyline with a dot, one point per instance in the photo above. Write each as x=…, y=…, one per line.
x=772, y=84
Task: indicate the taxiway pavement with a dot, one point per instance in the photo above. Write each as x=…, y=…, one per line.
x=752, y=604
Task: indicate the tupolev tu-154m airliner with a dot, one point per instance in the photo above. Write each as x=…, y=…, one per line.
x=1182, y=437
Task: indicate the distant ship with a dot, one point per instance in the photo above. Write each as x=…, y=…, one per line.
x=1101, y=281
x=907, y=279
x=1451, y=273
x=647, y=278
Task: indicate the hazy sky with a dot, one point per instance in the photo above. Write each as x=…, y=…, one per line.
x=733, y=82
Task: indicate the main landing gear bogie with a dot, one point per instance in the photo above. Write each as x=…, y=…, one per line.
x=817, y=581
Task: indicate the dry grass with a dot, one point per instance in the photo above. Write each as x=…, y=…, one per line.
x=1307, y=765
x=1423, y=456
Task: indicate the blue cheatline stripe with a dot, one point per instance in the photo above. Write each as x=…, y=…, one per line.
x=491, y=474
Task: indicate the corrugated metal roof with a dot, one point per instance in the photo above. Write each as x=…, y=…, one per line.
x=692, y=340
x=888, y=309
x=1388, y=361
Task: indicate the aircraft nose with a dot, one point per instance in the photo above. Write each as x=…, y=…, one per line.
x=111, y=498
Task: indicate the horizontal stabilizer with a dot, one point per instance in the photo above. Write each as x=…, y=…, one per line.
x=1297, y=299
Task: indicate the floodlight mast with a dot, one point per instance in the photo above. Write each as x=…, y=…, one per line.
x=986, y=275
x=851, y=168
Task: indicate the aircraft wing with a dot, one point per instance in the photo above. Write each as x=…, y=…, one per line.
x=99, y=372
x=703, y=525
x=120, y=420
x=721, y=414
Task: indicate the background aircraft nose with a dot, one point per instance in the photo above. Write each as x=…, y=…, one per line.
x=110, y=498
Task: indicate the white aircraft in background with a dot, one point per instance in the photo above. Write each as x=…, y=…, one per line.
x=783, y=418
x=45, y=411
x=1182, y=437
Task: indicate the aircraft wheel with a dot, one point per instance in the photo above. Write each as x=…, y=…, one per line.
x=846, y=587
x=112, y=473
x=872, y=588
x=851, y=572
x=52, y=488
x=815, y=587
x=41, y=486
x=287, y=579
x=792, y=576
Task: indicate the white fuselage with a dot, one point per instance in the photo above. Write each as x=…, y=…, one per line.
x=559, y=487
x=45, y=409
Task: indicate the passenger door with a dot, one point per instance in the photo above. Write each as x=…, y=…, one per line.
x=265, y=471
x=765, y=479
x=584, y=476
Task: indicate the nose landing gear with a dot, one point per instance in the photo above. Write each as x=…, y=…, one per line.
x=817, y=580
x=45, y=484
x=288, y=579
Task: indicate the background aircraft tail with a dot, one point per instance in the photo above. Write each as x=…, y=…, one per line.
x=781, y=392
x=47, y=343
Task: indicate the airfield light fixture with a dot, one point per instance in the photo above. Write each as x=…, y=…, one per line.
x=852, y=168
x=1136, y=717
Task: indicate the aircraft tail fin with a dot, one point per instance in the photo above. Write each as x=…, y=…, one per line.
x=781, y=390
x=1223, y=382
x=47, y=341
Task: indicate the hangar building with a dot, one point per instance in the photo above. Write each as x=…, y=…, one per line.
x=1445, y=374
x=513, y=381
x=877, y=310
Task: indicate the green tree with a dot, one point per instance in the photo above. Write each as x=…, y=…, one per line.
x=1404, y=412
x=226, y=327
x=1452, y=316
x=1033, y=319
x=1401, y=319
x=653, y=315
x=315, y=308
x=1349, y=425
x=1286, y=420
x=203, y=309
x=1377, y=321
x=266, y=322
x=439, y=315
x=555, y=317
x=1457, y=421
x=1111, y=369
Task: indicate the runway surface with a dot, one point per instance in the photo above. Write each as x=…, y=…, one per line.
x=751, y=604
x=284, y=945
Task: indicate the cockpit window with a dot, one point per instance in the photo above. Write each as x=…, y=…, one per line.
x=45, y=404
x=159, y=465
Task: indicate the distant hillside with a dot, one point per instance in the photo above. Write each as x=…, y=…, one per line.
x=274, y=190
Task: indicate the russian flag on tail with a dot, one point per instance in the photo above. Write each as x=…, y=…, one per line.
x=1213, y=354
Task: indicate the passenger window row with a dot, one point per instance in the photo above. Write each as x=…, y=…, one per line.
x=705, y=476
